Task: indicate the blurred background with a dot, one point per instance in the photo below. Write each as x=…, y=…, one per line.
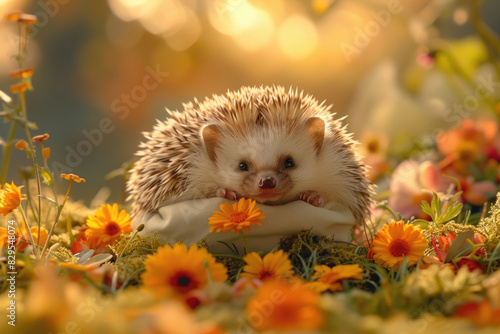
x=105, y=70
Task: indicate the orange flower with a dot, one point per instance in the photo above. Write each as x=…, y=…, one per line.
x=180, y=269
x=25, y=239
x=19, y=88
x=331, y=278
x=22, y=18
x=4, y=237
x=25, y=73
x=106, y=226
x=273, y=265
x=10, y=198
x=21, y=145
x=236, y=217
x=481, y=314
x=72, y=177
x=46, y=153
x=281, y=306
x=396, y=240
x=40, y=138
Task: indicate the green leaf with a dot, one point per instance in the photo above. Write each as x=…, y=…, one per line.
x=459, y=243
x=424, y=224
x=47, y=177
x=32, y=126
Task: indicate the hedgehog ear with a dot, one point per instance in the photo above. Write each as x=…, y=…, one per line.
x=316, y=129
x=210, y=135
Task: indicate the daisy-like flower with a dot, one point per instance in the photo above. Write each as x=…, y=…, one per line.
x=180, y=269
x=236, y=217
x=10, y=198
x=273, y=265
x=331, y=278
x=297, y=307
x=106, y=226
x=396, y=240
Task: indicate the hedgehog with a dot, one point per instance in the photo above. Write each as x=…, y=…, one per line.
x=265, y=143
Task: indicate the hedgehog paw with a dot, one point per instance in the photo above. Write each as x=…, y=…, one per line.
x=313, y=198
x=227, y=194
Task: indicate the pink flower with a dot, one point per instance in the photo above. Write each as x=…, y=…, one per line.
x=413, y=182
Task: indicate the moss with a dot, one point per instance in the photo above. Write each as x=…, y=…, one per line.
x=132, y=265
x=234, y=266
x=490, y=227
x=64, y=254
x=140, y=245
x=325, y=250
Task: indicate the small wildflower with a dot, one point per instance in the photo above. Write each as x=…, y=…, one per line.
x=273, y=265
x=46, y=153
x=72, y=177
x=21, y=145
x=396, y=241
x=236, y=217
x=331, y=278
x=10, y=198
x=40, y=138
x=19, y=88
x=181, y=269
x=27, y=18
x=106, y=226
x=298, y=308
x=25, y=73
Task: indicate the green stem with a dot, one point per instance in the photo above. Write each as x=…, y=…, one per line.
x=7, y=151
x=28, y=228
x=242, y=233
x=59, y=210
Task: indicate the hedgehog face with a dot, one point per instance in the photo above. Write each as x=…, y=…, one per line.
x=267, y=164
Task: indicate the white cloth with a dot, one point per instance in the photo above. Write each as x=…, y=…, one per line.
x=188, y=222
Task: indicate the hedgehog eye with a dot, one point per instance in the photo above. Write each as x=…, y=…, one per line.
x=243, y=167
x=289, y=163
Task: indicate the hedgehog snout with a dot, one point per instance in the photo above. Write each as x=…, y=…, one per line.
x=267, y=182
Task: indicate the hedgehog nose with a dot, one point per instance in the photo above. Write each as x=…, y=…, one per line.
x=267, y=182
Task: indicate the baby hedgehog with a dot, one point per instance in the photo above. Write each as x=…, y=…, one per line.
x=262, y=143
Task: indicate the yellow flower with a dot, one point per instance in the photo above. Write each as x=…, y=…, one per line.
x=72, y=177
x=236, y=217
x=282, y=306
x=10, y=198
x=180, y=269
x=106, y=226
x=331, y=278
x=273, y=265
x=44, y=234
x=395, y=240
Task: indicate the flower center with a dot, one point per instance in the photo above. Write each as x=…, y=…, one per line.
x=112, y=228
x=182, y=282
x=372, y=146
x=399, y=247
x=238, y=217
x=265, y=274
